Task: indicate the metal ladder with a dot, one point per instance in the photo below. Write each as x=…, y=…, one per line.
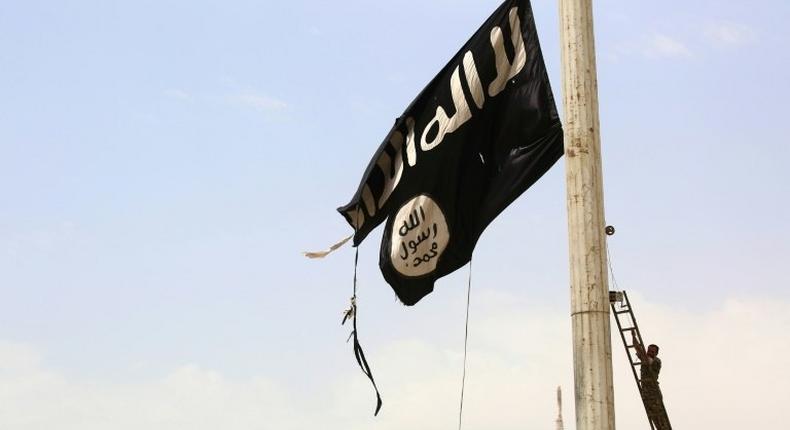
x=626, y=322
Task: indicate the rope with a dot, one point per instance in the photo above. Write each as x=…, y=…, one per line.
x=466, y=342
x=609, y=263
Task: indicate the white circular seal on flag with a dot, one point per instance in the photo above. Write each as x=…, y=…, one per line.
x=419, y=237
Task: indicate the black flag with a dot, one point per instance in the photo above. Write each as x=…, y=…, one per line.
x=481, y=133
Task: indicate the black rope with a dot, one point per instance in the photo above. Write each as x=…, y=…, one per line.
x=466, y=342
x=609, y=263
x=358, y=353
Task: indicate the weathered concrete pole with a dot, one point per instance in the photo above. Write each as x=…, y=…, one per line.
x=592, y=349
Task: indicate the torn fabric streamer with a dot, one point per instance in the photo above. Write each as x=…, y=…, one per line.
x=333, y=248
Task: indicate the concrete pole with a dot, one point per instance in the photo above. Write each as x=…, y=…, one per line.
x=592, y=349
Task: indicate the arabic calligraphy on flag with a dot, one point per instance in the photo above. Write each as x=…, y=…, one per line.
x=480, y=133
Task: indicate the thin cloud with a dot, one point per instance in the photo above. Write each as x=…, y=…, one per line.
x=178, y=94
x=729, y=34
x=722, y=369
x=653, y=46
x=261, y=102
x=661, y=45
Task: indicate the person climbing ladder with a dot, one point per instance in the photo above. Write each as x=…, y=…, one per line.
x=651, y=393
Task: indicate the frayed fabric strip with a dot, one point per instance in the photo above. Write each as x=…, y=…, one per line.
x=333, y=248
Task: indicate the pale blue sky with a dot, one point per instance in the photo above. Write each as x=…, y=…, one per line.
x=163, y=163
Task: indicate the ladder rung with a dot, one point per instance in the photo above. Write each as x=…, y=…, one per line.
x=628, y=329
x=622, y=312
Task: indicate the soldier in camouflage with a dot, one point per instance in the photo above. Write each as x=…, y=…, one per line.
x=651, y=393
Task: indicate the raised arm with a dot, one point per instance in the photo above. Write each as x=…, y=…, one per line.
x=640, y=349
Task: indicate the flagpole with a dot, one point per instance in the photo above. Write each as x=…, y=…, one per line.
x=592, y=349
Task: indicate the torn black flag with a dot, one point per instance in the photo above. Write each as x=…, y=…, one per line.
x=481, y=133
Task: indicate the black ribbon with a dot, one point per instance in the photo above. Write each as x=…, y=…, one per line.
x=358, y=353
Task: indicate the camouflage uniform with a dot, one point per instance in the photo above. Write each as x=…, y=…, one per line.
x=651, y=394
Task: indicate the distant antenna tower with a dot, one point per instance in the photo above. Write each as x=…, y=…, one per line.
x=560, y=426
